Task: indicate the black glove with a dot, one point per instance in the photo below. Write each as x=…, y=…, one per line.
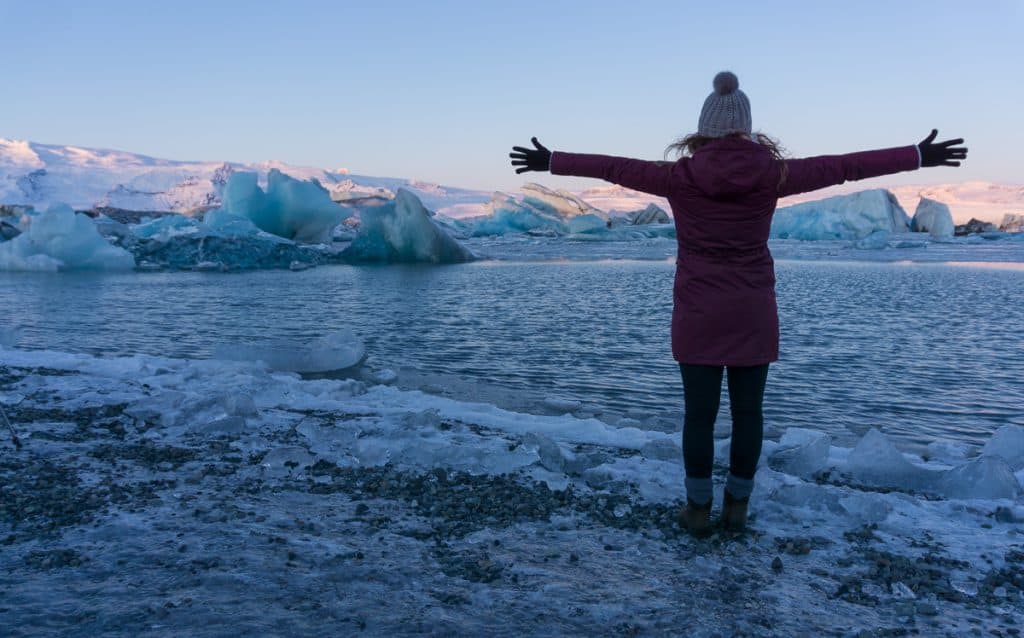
x=530, y=159
x=941, y=154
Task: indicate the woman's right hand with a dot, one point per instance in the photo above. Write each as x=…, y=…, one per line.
x=941, y=154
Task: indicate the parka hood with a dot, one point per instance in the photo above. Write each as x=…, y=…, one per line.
x=730, y=167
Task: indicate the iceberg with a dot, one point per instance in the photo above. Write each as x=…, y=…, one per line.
x=934, y=218
x=848, y=217
x=564, y=203
x=653, y=214
x=1012, y=223
x=293, y=209
x=518, y=216
x=402, y=231
x=58, y=239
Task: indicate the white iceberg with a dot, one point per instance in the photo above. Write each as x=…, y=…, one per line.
x=293, y=209
x=934, y=218
x=402, y=231
x=847, y=217
x=58, y=239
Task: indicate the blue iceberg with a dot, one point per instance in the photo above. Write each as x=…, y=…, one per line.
x=402, y=231
x=292, y=209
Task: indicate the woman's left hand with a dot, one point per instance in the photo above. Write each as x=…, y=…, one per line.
x=538, y=159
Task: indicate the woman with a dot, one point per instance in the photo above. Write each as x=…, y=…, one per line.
x=723, y=191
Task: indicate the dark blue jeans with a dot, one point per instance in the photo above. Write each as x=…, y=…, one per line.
x=702, y=389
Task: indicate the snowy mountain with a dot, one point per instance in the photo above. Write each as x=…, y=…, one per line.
x=40, y=174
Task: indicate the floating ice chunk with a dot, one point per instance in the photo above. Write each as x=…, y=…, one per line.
x=336, y=352
x=402, y=231
x=865, y=508
x=563, y=202
x=984, y=477
x=848, y=217
x=587, y=224
x=875, y=241
x=510, y=215
x=876, y=461
x=227, y=425
x=238, y=404
x=662, y=450
x=293, y=209
x=801, y=452
x=58, y=239
x=168, y=226
x=948, y=451
x=1008, y=443
x=562, y=406
x=386, y=376
x=551, y=455
x=934, y=218
x=228, y=224
x=653, y=214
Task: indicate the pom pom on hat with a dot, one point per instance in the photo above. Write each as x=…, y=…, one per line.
x=726, y=110
x=725, y=83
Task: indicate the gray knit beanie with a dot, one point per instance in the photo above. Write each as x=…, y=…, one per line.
x=727, y=109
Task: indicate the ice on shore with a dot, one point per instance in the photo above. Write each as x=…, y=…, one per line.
x=293, y=209
x=876, y=461
x=986, y=477
x=336, y=352
x=59, y=239
x=848, y=217
x=801, y=452
x=1007, y=443
x=402, y=231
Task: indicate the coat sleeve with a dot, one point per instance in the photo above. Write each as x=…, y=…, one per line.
x=650, y=177
x=812, y=173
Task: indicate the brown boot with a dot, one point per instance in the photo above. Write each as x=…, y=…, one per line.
x=734, y=512
x=696, y=519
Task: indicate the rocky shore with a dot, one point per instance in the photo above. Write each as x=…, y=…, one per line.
x=108, y=527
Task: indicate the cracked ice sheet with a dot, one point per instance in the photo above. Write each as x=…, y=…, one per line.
x=219, y=528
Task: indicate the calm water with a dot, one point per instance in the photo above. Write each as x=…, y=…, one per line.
x=923, y=351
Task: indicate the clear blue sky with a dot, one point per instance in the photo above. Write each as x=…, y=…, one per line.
x=440, y=90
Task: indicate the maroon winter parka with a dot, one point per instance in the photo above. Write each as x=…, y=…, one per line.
x=722, y=199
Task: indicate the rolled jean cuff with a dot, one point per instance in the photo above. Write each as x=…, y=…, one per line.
x=739, y=487
x=699, y=490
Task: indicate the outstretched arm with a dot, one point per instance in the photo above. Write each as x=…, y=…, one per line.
x=649, y=177
x=812, y=173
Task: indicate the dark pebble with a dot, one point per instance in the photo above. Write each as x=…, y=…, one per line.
x=777, y=564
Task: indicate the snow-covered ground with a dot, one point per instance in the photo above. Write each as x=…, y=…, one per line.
x=155, y=496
